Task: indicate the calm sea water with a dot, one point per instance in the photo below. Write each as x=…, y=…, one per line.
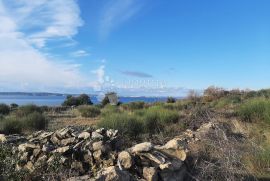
x=58, y=100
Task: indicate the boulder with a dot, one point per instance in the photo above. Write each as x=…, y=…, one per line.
x=84, y=135
x=142, y=147
x=113, y=174
x=125, y=159
x=62, y=149
x=26, y=147
x=3, y=139
x=68, y=141
x=96, y=136
x=150, y=174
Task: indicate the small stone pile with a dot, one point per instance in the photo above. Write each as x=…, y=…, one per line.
x=98, y=155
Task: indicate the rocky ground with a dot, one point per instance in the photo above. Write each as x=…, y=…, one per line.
x=101, y=155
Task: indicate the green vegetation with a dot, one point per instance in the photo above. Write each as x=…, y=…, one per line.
x=171, y=100
x=4, y=109
x=255, y=110
x=89, y=111
x=133, y=106
x=127, y=124
x=83, y=99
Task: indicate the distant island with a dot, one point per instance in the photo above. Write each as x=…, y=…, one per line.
x=32, y=94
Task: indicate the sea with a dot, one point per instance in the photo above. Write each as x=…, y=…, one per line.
x=57, y=100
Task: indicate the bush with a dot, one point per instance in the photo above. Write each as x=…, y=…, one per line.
x=11, y=125
x=89, y=111
x=109, y=109
x=27, y=109
x=34, y=121
x=171, y=100
x=133, y=105
x=255, y=110
x=127, y=124
x=83, y=99
x=156, y=118
x=13, y=106
x=4, y=109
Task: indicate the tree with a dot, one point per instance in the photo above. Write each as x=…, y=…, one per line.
x=83, y=99
x=171, y=100
x=105, y=101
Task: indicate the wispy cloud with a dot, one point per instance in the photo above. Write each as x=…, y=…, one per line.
x=42, y=20
x=117, y=12
x=80, y=53
x=25, y=27
x=137, y=74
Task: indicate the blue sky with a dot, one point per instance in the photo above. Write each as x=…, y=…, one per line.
x=134, y=47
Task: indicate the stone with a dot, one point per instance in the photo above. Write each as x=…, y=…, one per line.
x=98, y=146
x=47, y=148
x=156, y=157
x=68, y=141
x=54, y=139
x=172, y=165
x=84, y=135
x=64, y=133
x=36, y=152
x=150, y=174
x=177, y=143
x=111, y=133
x=142, y=147
x=125, y=159
x=113, y=174
x=96, y=136
x=97, y=155
x=3, y=139
x=40, y=161
x=62, y=149
x=179, y=154
x=27, y=147
x=29, y=166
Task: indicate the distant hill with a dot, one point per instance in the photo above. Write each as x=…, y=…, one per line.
x=32, y=93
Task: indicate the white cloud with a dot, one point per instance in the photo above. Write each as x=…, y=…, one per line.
x=44, y=20
x=117, y=12
x=100, y=76
x=25, y=67
x=80, y=53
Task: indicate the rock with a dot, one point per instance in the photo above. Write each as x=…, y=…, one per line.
x=54, y=139
x=3, y=139
x=111, y=133
x=48, y=148
x=98, y=146
x=96, y=136
x=180, y=154
x=97, y=155
x=84, y=135
x=156, y=157
x=62, y=149
x=125, y=159
x=177, y=143
x=64, y=133
x=172, y=165
x=40, y=161
x=29, y=166
x=27, y=147
x=142, y=147
x=113, y=174
x=36, y=152
x=67, y=141
x=150, y=174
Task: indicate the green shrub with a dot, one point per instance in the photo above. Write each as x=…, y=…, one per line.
x=11, y=125
x=105, y=101
x=13, y=106
x=89, y=111
x=109, y=109
x=133, y=105
x=171, y=100
x=156, y=118
x=83, y=99
x=34, y=121
x=255, y=110
x=4, y=109
x=27, y=109
x=127, y=124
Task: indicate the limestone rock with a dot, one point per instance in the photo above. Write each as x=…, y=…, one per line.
x=113, y=174
x=125, y=159
x=84, y=135
x=142, y=147
x=3, y=139
x=62, y=149
x=150, y=174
